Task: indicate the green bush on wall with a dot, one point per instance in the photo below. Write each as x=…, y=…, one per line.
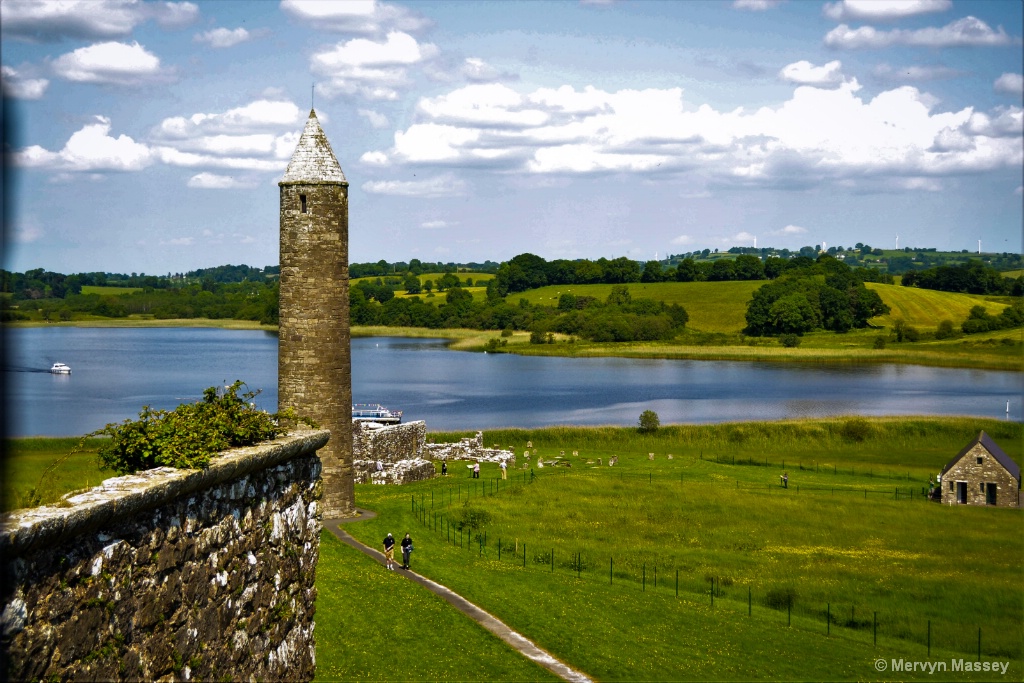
x=188, y=436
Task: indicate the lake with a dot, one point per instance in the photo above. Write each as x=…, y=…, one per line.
x=116, y=371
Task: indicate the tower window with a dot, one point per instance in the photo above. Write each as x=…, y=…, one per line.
x=302, y=198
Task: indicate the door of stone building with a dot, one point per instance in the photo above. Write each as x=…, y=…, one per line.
x=990, y=494
x=961, y=492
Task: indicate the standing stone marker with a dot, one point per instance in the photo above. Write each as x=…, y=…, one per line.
x=314, y=356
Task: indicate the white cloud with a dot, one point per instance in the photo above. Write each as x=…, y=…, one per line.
x=212, y=181
x=27, y=230
x=376, y=119
x=176, y=157
x=375, y=158
x=223, y=37
x=47, y=21
x=1011, y=84
x=110, y=63
x=353, y=16
x=882, y=10
x=90, y=149
x=441, y=186
x=247, y=137
x=1019, y=191
x=819, y=136
x=477, y=70
x=19, y=87
x=966, y=32
x=682, y=240
x=744, y=237
x=254, y=114
x=372, y=69
x=806, y=73
x=756, y=5
x=790, y=230
x=434, y=225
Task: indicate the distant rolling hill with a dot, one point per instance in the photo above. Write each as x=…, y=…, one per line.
x=722, y=306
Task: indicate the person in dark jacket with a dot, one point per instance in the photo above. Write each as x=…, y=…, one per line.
x=389, y=551
x=406, y=551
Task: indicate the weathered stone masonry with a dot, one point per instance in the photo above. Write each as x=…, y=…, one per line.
x=171, y=574
x=314, y=356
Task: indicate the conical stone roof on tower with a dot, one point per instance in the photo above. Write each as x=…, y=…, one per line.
x=314, y=365
x=313, y=160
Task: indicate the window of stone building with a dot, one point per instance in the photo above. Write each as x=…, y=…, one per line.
x=982, y=487
x=302, y=198
x=979, y=459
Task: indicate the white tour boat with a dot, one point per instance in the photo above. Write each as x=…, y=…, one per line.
x=60, y=369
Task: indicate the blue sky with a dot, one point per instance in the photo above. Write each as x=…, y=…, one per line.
x=151, y=135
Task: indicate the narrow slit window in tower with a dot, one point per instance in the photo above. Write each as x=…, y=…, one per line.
x=302, y=198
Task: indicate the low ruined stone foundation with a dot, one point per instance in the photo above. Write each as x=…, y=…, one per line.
x=399, y=454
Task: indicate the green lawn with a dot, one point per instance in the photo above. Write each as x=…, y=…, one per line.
x=589, y=557
x=374, y=625
x=838, y=541
x=27, y=460
x=108, y=291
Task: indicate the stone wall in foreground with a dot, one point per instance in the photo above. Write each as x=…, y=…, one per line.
x=170, y=574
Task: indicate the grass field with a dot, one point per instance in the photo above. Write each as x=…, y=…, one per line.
x=926, y=308
x=108, y=291
x=27, y=459
x=409, y=633
x=720, y=307
x=847, y=566
x=580, y=548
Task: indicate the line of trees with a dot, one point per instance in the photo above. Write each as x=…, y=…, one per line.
x=527, y=271
x=973, y=277
x=618, y=318
x=236, y=301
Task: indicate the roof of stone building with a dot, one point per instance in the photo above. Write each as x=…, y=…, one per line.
x=313, y=160
x=992, y=447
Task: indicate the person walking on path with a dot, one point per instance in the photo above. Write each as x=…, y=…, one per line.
x=785, y=480
x=476, y=470
x=389, y=551
x=504, y=470
x=406, y=550
x=444, y=468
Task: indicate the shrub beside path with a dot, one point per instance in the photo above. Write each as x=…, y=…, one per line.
x=488, y=621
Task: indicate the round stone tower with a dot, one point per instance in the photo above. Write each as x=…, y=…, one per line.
x=314, y=366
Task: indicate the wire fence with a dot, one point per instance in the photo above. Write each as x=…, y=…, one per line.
x=433, y=512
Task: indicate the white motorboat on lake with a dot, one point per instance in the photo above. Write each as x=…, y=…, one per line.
x=60, y=369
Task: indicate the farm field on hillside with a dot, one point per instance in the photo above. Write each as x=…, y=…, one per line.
x=926, y=308
x=721, y=306
x=589, y=554
x=712, y=306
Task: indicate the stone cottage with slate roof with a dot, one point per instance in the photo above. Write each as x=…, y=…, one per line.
x=981, y=474
x=314, y=362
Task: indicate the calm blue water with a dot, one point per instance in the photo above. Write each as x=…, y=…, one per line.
x=116, y=371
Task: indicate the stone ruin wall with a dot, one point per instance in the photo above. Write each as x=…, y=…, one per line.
x=397, y=448
x=470, y=448
x=405, y=456
x=171, y=574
